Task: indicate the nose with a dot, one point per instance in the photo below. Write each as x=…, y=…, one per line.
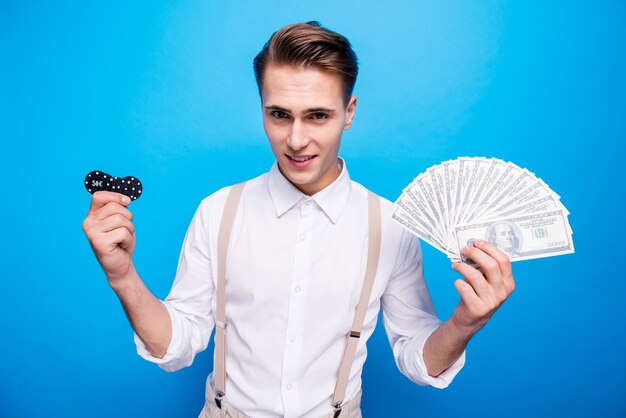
x=298, y=138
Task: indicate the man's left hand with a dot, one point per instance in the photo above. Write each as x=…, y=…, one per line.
x=481, y=293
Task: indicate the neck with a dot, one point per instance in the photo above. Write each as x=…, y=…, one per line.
x=321, y=183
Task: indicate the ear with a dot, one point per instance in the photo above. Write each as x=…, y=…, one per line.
x=350, y=113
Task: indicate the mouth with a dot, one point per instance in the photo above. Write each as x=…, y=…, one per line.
x=300, y=161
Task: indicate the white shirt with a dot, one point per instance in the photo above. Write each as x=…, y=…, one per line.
x=295, y=269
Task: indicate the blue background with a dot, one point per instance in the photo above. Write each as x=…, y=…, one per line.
x=165, y=91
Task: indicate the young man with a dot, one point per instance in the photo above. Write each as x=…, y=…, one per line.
x=301, y=244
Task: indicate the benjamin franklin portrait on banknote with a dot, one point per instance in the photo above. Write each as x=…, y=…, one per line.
x=506, y=236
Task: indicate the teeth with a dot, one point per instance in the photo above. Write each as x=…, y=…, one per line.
x=301, y=159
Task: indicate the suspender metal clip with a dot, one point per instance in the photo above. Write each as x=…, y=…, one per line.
x=355, y=334
x=337, y=409
x=218, y=398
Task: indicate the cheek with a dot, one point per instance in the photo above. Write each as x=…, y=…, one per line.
x=329, y=134
x=275, y=145
x=274, y=133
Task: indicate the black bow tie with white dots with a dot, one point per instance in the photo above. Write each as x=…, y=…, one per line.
x=98, y=180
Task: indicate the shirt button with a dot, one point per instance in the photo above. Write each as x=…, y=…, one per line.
x=302, y=237
x=292, y=338
x=308, y=203
x=298, y=289
x=289, y=386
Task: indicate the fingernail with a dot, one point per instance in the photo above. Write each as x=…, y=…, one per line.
x=478, y=242
x=464, y=250
x=125, y=199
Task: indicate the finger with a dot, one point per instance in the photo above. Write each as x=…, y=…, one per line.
x=118, y=221
x=474, y=278
x=131, y=248
x=102, y=197
x=488, y=265
x=503, y=260
x=128, y=241
x=121, y=237
x=111, y=209
x=468, y=295
x=96, y=217
x=113, y=222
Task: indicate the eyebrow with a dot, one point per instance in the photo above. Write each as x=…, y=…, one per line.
x=309, y=110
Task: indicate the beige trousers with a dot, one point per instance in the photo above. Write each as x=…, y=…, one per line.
x=351, y=409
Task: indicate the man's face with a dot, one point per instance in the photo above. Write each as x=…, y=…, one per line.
x=304, y=116
x=505, y=238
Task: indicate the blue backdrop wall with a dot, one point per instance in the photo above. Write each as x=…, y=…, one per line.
x=165, y=91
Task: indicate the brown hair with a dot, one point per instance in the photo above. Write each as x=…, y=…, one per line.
x=309, y=45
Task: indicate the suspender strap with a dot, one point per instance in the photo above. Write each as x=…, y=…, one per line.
x=373, y=254
x=223, y=241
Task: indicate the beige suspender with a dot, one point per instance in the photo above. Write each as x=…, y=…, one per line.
x=223, y=240
x=373, y=254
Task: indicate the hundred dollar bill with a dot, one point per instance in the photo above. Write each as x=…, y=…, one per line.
x=436, y=174
x=414, y=227
x=410, y=209
x=523, y=237
x=473, y=185
x=450, y=177
x=522, y=181
x=466, y=168
x=494, y=173
x=422, y=192
x=509, y=175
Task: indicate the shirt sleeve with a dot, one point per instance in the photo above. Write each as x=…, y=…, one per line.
x=409, y=317
x=190, y=298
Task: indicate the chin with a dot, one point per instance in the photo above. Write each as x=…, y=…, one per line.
x=301, y=180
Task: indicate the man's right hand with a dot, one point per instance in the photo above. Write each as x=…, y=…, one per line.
x=111, y=234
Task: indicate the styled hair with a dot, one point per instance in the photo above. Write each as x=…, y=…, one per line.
x=309, y=45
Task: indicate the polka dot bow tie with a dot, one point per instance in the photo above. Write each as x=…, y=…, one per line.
x=98, y=180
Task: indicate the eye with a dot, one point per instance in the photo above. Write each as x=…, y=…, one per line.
x=279, y=114
x=319, y=116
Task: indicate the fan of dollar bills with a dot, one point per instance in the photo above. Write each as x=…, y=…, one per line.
x=469, y=198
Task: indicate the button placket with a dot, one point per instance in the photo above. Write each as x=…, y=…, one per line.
x=296, y=317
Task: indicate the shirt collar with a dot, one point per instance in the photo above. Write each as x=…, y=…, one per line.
x=332, y=199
